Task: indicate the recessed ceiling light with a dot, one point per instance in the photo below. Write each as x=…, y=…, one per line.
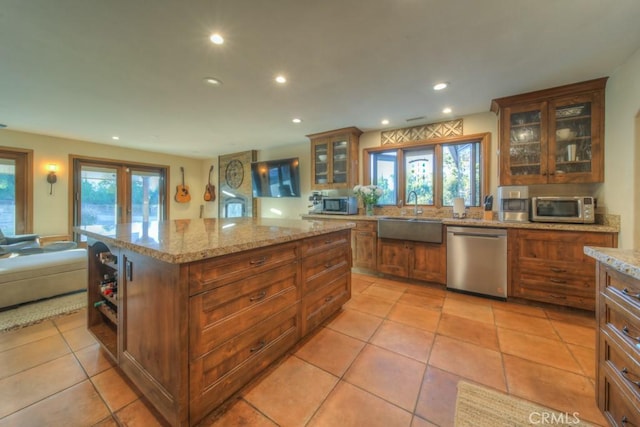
x=213, y=81
x=297, y=120
x=216, y=38
x=281, y=79
x=385, y=122
x=115, y=138
x=440, y=86
x=446, y=110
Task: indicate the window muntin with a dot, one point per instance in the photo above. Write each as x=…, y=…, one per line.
x=437, y=170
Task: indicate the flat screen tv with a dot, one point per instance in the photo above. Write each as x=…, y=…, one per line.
x=276, y=178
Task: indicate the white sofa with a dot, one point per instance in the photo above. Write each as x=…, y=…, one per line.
x=42, y=275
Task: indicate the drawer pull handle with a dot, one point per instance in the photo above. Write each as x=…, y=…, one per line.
x=625, y=372
x=624, y=419
x=259, y=261
x=258, y=297
x=558, y=270
x=625, y=330
x=327, y=265
x=260, y=346
x=329, y=298
x=626, y=291
x=557, y=280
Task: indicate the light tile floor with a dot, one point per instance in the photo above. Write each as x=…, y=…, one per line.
x=391, y=357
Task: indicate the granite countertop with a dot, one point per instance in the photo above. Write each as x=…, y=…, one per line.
x=181, y=241
x=471, y=222
x=626, y=261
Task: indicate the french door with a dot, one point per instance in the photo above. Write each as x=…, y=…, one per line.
x=109, y=193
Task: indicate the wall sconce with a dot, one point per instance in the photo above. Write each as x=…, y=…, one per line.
x=52, y=178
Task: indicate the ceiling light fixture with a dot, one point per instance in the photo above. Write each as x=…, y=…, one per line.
x=115, y=138
x=385, y=122
x=440, y=86
x=297, y=120
x=213, y=81
x=446, y=110
x=281, y=79
x=216, y=38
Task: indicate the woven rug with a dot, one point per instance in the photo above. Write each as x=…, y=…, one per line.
x=36, y=312
x=478, y=406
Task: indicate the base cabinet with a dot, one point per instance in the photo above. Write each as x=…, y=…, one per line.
x=191, y=335
x=617, y=351
x=551, y=267
x=414, y=260
x=364, y=241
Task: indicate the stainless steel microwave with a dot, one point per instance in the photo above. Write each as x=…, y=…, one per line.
x=340, y=205
x=573, y=209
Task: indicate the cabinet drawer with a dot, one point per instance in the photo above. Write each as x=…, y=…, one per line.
x=322, y=268
x=367, y=226
x=218, y=374
x=616, y=320
x=614, y=354
x=208, y=274
x=319, y=305
x=222, y=313
x=555, y=296
x=325, y=242
x=623, y=286
x=619, y=408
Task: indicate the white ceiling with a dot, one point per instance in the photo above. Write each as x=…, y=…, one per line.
x=90, y=69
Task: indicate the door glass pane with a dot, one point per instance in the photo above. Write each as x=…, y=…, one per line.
x=98, y=196
x=384, y=167
x=340, y=162
x=461, y=173
x=8, y=196
x=145, y=196
x=321, y=159
x=419, y=171
x=525, y=143
x=573, y=138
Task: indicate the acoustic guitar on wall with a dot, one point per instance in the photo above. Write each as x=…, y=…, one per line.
x=210, y=190
x=182, y=191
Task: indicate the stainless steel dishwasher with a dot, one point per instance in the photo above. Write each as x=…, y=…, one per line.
x=477, y=260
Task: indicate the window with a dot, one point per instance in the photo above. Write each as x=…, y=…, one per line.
x=435, y=172
x=16, y=210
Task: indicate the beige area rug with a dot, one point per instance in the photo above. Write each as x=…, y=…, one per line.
x=36, y=312
x=478, y=406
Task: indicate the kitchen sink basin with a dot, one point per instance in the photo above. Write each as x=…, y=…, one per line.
x=410, y=228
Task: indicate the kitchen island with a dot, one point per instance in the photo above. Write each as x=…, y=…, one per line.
x=193, y=310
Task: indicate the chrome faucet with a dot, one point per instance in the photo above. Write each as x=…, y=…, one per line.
x=415, y=205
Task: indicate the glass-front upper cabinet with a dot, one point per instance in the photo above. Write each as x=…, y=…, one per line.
x=553, y=136
x=334, y=159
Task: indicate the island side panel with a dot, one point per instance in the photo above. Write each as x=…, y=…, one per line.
x=155, y=332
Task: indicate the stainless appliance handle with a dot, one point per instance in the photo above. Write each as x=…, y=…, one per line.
x=488, y=236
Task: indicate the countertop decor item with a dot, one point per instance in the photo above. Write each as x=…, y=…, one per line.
x=369, y=194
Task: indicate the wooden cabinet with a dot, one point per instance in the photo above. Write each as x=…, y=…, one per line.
x=190, y=335
x=617, y=347
x=551, y=267
x=334, y=158
x=552, y=136
x=414, y=260
x=364, y=239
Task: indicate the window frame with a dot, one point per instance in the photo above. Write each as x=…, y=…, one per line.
x=24, y=187
x=437, y=144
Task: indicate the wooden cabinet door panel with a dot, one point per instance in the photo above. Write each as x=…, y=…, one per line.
x=393, y=257
x=321, y=269
x=364, y=249
x=428, y=261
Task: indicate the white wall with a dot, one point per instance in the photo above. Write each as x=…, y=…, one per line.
x=51, y=212
x=622, y=181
